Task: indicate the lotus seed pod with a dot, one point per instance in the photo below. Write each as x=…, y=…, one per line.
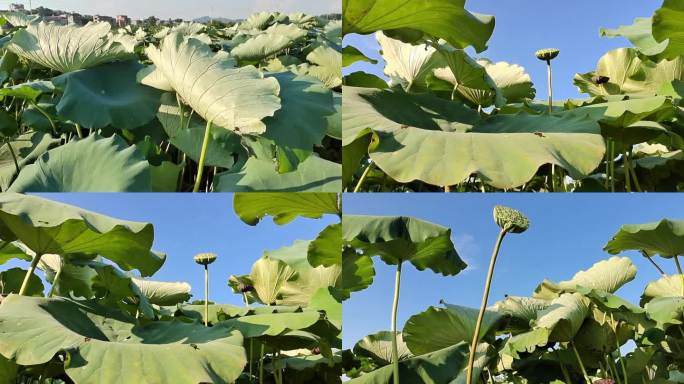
x=205, y=258
x=547, y=54
x=510, y=220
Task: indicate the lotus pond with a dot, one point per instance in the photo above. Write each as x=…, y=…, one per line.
x=191, y=107
x=79, y=302
x=596, y=297
x=443, y=119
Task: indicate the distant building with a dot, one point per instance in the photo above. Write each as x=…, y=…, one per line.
x=59, y=19
x=122, y=21
x=104, y=19
x=75, y=19
x=17, y=8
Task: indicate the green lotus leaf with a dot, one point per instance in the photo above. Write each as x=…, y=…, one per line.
x=606, y=275
x=184, y=29
x=11, y=279
x=629, y=74
x=27, y=148
x=334, y=129
x=511, y=79
x=309, y=368
x=28, y=91
x=333, y=31
x=94, y=164
x=351, y=55
x=47, y=227
x=163, y=292
x=67, y=48
x=268, y=43
x=506, y=151
x=324, y=300
x=364, y=80
x=223, y=147
x=447, y=365
x=666, y=286
x=564, y=316
x=326, y=249
x=469, y=79
x=236, y=99
x=302, y=20
x=9, y=251
x=595, y=340
x=624, y=119
x=357, y=271
x=526, y=342
x=668, y=24
x=307, y=278
x=617, y=307
x=664, y=238
x=19, y=19
x=520, y=311
x=8, y=371
x=268, y=277
x=224, y=312
x=438, y=328
x=378, y=347
x=439, y=18
x=301, y=122
x=97, y=341
x=640, y=34
x=259, y=20
x=272, y=324
x=327, y=66
x=408, y=64
x=312, y=175
x=398, y=239
x=284, y=207
x=107, y=95
x=666, y=310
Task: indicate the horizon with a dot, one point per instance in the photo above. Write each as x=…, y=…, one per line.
x=214, y=9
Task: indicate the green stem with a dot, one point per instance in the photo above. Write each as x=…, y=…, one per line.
x=56, y=279
x=47, y=116
x=483, y=306
x=14, y=156
x=203, y=155
x=653, y=262
x=206, y=295
x=612, y=165
x=613, y=372
x=395, y=307
x=261, y=365
x=550, y=79
x=679, y=270
x=628, y=177
x=581, y=364
x=363, y=176
x=617, y=344
x=79, y=131
x=566, y=375
x=251, y=348
x=29, y=273
x=628, y=159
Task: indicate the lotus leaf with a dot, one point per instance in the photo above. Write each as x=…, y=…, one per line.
x=268, y=43
x=28, y=147
x=415, y=20
x=252, y=207
x=107, y=95
x=236, y=99
x=378, y=347
x=399, y=239
x=357, y=271
x=327, y=66
x=67, y=48
x=640, y=34
x=272, y=324
x=94, y=164
x=406, y=63
x=47, y=227
x=668, y=23
x=11, y=279
x=312, y=175
x=97, y=341
x=438, y=328
x=351, y=55
x=664, y=238
x=326, y=249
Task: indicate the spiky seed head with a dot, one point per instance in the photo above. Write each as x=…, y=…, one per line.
x=205, y=258
x=598, y=80
x=510, y=220
x=547, y=54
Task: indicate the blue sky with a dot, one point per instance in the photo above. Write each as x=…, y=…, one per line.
x=524, y=26
x=184, y=9
x=567, y=234
x=188, y=224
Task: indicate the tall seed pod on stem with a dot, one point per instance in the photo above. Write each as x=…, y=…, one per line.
x=205, y=259
x=510, y=221
x=548, y=55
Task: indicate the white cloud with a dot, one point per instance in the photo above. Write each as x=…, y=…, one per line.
x=468, y=249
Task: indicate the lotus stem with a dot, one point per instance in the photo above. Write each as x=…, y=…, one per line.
x=550, y=81
x=363, y=177
x=564, y=370
x=613, y=370
x=261, y=365
x=679, y=270
x=47, y=116
x=483, y=306
x=581, y=364
x=206, y=295
x=29, y=273
x=79, y=131
x=617, y=344
x=612, y=165
x=57, y=276
x=14, y=156
x=395, y=306
x=203, y=155
x=653, y=263
x=251, y=348
x=628, y=162
x=447, y=188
